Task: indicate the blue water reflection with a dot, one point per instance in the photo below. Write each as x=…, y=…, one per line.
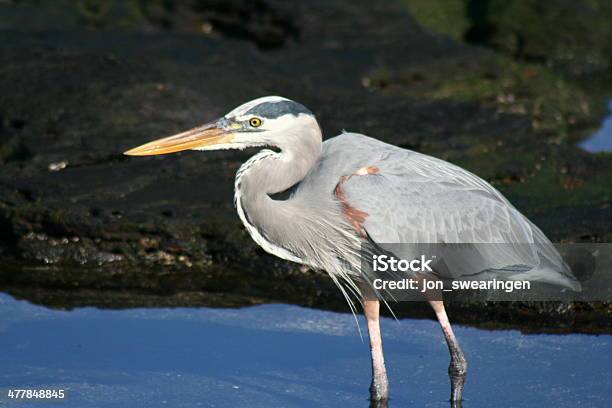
x=601, y=141
x=280, y=355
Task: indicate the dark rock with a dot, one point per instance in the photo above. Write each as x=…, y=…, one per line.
x=90, y=218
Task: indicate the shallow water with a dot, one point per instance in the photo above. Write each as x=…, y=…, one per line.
x=280, y=355
x=601, y=141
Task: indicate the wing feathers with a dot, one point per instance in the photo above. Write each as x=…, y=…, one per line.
x=418, y=199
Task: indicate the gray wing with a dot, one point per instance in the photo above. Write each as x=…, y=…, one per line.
x=415, y=198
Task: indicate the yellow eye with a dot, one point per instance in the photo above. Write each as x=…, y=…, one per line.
x=255, y=122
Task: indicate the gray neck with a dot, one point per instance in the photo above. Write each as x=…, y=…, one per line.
x=268, y=220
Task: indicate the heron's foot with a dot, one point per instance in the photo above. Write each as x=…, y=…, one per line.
x=456, y=404
x=380, y=403
x=379, y=389
x=457, y=371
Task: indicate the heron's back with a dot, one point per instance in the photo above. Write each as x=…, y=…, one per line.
x=412, y=198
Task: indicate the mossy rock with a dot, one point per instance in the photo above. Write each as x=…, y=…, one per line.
x=573, y=36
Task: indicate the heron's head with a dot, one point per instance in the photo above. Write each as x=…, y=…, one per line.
x=267, y=121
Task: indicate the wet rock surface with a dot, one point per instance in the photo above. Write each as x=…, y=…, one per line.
x=83, y=223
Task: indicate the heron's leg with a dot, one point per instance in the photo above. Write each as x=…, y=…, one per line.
x=379, y=389
x=458, y=365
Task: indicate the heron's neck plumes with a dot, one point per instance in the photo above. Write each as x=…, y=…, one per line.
x=268, y=173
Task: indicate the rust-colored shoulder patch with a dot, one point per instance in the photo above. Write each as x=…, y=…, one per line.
x=367, y=170
x=355, y=216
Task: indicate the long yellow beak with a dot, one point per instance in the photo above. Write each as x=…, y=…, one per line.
x=201, y=136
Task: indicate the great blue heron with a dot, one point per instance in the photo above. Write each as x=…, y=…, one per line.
x=338, y=193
